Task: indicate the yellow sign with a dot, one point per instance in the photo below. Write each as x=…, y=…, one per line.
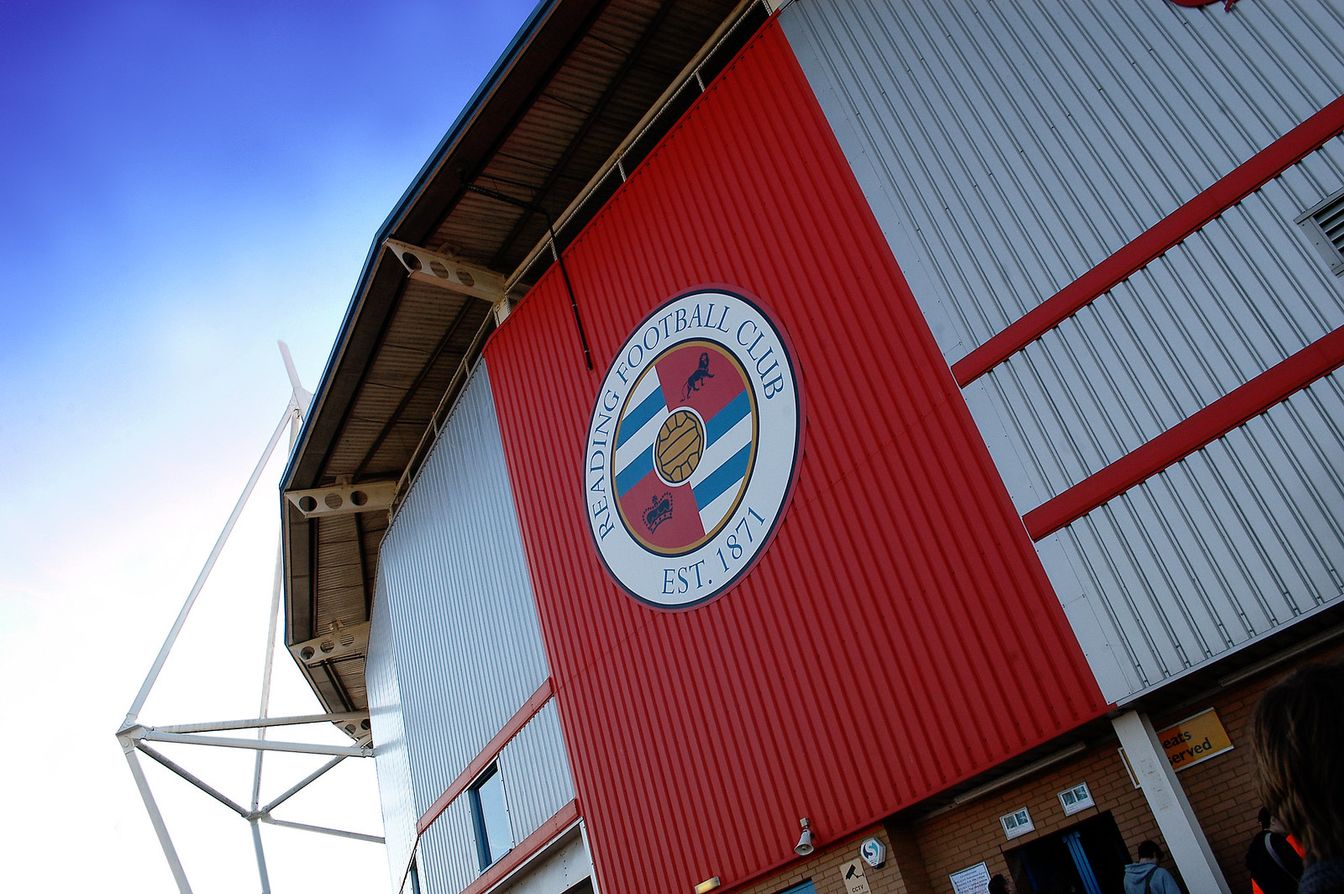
x=1194, y=740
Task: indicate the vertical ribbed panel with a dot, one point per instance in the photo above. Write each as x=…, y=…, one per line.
x=1228, y=545
x=1009, y=147
x=536, y=786
x=448, y=859
x=533, y=788
x=899, y=634
x=1234, y=299
x=465, y=627
x=461, y=627
x=391, y=760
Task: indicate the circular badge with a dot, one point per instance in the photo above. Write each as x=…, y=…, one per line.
x=692, y=448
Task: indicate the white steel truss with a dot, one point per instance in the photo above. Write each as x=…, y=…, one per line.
x=134, y=737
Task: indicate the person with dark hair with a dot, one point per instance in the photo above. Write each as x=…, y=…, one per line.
x=998, y=885
x=1298, y=738
x=1273, y=861
x=1146, y=877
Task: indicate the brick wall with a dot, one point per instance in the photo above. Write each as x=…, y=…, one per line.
x=823, y=870
x=922, y=856
x=1222, y=790
x=971, y=834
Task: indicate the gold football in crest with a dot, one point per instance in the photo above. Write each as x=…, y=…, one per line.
x=680, y=444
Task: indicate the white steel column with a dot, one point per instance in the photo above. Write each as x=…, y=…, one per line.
x=156, y=818
x=298, y=407
x=133, y=735
x=1171, y=808
x=261, y=857
x=204, y=575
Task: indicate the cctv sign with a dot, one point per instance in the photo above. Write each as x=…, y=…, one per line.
x=853, y=879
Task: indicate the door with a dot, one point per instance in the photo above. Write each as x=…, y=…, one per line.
x=1086, y=858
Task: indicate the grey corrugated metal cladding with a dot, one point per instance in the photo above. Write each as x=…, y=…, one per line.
x=456, y=632
x=1008, y=148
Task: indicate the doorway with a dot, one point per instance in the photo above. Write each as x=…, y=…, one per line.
x=1086, y=858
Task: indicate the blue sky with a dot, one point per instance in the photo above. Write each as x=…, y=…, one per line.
x=181, y=184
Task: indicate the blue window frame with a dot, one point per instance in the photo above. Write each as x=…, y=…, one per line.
x=803, y=888
x=490, y=816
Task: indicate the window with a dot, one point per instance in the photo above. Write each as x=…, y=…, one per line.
x=1017, y=823
x=490, y=815
x=415, y=876
x=1075, y=799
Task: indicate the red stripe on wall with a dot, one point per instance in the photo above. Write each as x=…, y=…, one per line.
x=492, y=749
x=1254, y=173
x=1274, y=385
x=526, y=849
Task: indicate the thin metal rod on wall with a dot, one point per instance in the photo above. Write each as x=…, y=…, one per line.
x=532, y=208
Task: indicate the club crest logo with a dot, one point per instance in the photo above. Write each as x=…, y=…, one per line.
x=692, y=448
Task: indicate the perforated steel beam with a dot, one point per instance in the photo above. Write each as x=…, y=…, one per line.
x=447, y=272
x=343, y=499
x=342, y=643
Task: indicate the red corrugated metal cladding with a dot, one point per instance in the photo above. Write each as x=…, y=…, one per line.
x=898, y=636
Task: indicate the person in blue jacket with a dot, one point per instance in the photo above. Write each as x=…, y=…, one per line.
x=1146, y=877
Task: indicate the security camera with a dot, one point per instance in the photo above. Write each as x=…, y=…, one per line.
x=804, y=846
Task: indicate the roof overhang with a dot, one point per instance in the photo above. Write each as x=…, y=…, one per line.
x=583, y=92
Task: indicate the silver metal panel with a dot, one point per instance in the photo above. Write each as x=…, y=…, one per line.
x=448, y=861
x=391, y=760
x=556, y=872
x=464, y=622
x=1225, y=547
x=1212, y=313
x=1007, y=148
x=458, y=647
x=537, y=779
x=537, y=784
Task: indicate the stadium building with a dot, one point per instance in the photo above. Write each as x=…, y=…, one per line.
x=838, y=446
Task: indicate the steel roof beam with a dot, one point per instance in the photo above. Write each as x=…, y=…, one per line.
x=257, y=744
x=192, y=778
x=303, y=783
x=324, y=830
x=446, y=272
x=343, y=499
x=541, y=192
x=345, y=642
x=213, y=726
